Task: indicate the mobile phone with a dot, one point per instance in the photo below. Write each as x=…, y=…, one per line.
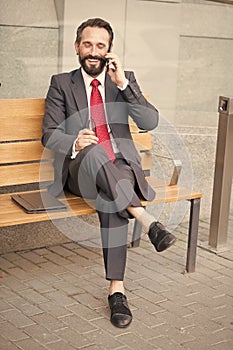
x=107, y=64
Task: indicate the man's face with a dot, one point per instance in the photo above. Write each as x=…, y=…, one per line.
x=92, y=50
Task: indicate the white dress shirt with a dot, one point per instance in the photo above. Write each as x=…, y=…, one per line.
x=87, y=81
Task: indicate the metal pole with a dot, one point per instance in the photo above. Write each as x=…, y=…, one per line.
x=193, y=234
x=223, y=175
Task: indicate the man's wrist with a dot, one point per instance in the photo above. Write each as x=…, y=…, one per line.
x=124, y=85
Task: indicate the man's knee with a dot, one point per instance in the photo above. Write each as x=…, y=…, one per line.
x=93, y=153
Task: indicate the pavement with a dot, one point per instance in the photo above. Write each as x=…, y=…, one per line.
x=55, y=298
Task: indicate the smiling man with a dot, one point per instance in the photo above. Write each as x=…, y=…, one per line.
x=91, y=48
x=86, y=125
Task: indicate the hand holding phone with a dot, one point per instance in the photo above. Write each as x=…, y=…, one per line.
x=115, y=69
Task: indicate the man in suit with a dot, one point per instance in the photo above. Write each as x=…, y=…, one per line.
x=96, y=159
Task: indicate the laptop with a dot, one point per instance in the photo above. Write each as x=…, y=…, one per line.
x=38, y=202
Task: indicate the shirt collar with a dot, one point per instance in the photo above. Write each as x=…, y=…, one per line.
x=88, y=79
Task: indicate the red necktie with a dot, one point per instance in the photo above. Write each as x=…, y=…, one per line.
x=99, y=120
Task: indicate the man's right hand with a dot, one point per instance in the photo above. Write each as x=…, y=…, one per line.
x=86, y=137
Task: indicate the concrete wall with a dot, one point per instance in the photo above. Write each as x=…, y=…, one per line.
x=205, y=72
x=76, y=12
x=29, y=47
x=146, y=39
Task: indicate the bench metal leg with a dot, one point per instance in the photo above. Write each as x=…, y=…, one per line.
x=193, y=233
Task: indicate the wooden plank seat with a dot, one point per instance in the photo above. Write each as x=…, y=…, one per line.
x=23, y=160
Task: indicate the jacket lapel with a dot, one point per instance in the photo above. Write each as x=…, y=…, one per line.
x=111, y=93
x=111, y=90
x=79, y=93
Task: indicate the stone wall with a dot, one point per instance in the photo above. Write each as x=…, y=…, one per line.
x=205, y=72
x=29, y=47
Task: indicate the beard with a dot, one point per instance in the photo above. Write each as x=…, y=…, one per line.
x=92, y=70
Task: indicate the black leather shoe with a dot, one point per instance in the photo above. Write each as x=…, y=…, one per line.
x=120, y=313
x=160, y=237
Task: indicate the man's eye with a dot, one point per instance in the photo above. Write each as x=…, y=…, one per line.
x=87, y=45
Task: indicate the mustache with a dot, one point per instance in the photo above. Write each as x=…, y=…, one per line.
x=99, y=58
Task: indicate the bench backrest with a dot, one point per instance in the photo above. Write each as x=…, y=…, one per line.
x=21, y=153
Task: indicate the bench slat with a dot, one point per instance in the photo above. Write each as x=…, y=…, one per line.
x=18, y=174
x=22, y=107
x=14, y=152
x=21, y=119
x=11, y=214
x=25, y=173
x=14, y=129
x=143, y=141
x=23, y=152
x=169, y=194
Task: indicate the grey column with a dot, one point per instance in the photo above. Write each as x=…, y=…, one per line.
x=223, y=175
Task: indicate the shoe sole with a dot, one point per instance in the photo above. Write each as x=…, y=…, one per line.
x=169, y=244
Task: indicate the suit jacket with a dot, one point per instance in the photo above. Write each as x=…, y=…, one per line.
x=67, y=113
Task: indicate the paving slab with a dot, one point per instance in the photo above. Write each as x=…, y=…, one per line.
x=55, y=298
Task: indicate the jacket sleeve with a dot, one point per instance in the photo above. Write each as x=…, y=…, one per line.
x=54, y=134
x=144, y=114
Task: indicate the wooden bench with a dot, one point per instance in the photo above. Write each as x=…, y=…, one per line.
x=23, y=160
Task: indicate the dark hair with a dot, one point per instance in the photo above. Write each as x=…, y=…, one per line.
x=95, y=22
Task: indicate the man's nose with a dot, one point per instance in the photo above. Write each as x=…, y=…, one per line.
x=94, y=51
